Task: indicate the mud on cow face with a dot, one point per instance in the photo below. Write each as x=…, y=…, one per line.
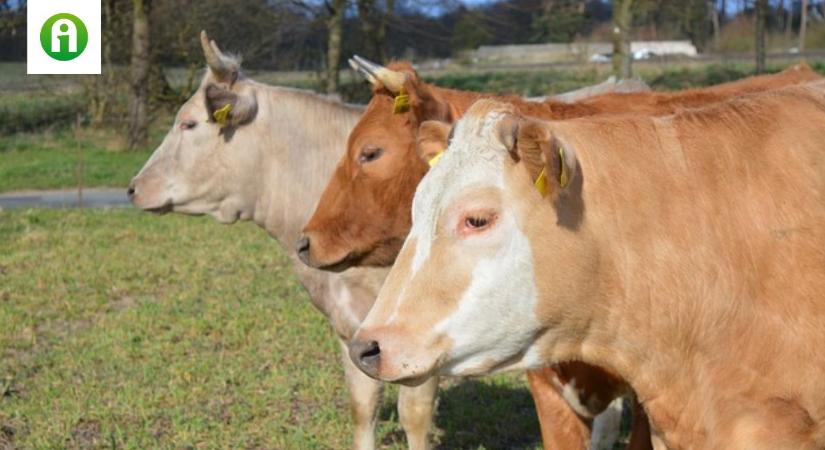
x=462, y=298
x=200, y=165
x=363, y=215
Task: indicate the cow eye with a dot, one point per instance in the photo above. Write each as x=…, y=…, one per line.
x=476, y=222
x=188, y=124
x=370, y=154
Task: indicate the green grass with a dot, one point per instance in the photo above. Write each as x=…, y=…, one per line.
x=126, y=330
x=52, y=159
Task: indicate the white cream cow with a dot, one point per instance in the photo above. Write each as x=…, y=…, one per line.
x=684, y=253
x=266, y=158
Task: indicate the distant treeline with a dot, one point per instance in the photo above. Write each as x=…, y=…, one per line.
x=293, y=34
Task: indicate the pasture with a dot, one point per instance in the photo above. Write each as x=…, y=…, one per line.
x=126, y=330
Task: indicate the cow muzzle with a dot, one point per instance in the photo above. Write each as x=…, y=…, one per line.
x=307, y=249
x=143, y=196
x=388, y=355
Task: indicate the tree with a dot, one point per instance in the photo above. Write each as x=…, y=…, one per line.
x=560, y=21
x=139, y=101
x=470, y=32
x=761, y=13
x=803, y=25
x=714, y=19
x=383, y=25
x=622, y=20
x=368, y=18
x=335, y=26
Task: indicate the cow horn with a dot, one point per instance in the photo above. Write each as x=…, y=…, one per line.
x=377, y=74
x=215, y=59
x=361, y=71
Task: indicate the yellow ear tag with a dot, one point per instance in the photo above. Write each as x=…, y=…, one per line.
x=222, y=115
x=434, y=160
x=564, y=177
x=541, y=183
x=401, y=103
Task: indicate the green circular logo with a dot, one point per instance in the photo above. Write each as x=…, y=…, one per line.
x=64, y=37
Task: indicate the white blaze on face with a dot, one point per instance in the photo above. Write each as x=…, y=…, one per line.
x=494, y=321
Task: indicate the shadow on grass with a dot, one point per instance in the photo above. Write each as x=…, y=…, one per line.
x=473, y=415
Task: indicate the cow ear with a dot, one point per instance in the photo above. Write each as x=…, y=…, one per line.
x=426, y=102
x=551, y=164
x=229, y=108
x=432, y=140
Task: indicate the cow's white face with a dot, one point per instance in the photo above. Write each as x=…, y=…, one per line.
x=196, y=168
x=462, y=297
x=204, y=163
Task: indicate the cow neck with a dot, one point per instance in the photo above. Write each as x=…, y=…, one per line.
x=549, y=108
x=305, y=133
x=660, y=297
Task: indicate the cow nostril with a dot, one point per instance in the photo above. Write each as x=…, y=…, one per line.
x=371, y=352
x=130, y=192
x=366, y=355
x=302, y=248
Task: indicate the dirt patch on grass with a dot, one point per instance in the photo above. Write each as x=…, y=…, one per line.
x=86, y=434
x=161, y=427
x=7, y=433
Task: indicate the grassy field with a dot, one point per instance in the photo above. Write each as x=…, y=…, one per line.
x=56, y=158
x=126, y=330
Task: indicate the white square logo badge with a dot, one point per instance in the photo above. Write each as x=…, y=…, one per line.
x=63, y=37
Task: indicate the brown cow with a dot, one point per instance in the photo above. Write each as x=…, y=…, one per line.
x=364, y=213
x=685, y=253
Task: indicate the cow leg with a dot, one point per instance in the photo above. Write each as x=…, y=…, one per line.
x=365, y=398
x=561, y=427
x=416, y=406
x=607, y=426
x=640, y=431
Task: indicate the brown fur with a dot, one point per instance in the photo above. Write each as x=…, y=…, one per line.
x=699, y=269
x=363, y=215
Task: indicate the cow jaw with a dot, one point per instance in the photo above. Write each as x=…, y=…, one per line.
x=462, y=296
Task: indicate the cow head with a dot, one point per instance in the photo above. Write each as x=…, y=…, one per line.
x=463, y=297
x=202, y=165
x=364, y=213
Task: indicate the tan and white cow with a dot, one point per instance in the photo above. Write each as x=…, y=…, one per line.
x=266, y=159
x=684, y=253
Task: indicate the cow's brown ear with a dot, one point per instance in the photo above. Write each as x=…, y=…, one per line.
x=552, y=165
x=229, y=108
x=433, y=138
x=426, y=101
